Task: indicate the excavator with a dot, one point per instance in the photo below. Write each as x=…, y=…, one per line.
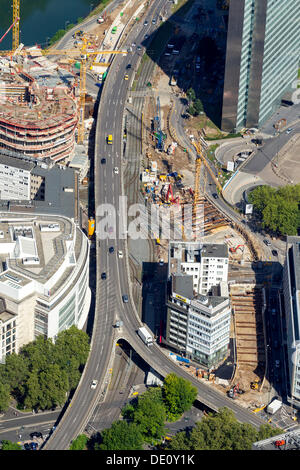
x=233, y=250
x=255, y=384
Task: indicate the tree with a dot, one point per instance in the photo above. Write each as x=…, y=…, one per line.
x=191, y=110
x=39, y=353
x=191, y=94
x=79, y=443
x=4, y=397
x=8, y=445
x=150, y=414
x=221, y=431
x=54, y=386
x=278, y=208
x=71, y=353
x=198, y=106
x=14, y=371
x=178, y=395
x=121, y=436
x=72, y=343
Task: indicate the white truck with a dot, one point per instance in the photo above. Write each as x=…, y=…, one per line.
x=274, y=406
x=145, y=335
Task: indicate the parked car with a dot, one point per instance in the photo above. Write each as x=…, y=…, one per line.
x=274, y=252
x=215, y=195
x=277, y=363
x=289, y=130
x=36, y=434
x=27, y=446
x=33, y=445
x=267, y=242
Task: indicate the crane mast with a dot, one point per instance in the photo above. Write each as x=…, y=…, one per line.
x=16, y=25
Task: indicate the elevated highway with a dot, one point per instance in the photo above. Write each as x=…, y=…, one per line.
x=109, y=292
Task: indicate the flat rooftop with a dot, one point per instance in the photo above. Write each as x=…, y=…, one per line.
x=52, y=246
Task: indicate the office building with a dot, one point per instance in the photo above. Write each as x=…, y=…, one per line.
x=262, y=58
x=198, y=305
x=44, y=278
x=33, y=186
x=291, y=290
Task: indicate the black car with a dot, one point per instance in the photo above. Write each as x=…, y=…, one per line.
x=36, y=434
x=111, y=249
x=103, y=276
x=125, y=298
x=274, y=252
x=215, y=195
x=128, y=66
x=103, y=160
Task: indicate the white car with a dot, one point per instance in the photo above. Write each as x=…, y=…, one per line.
x=116, y=170
x=120, y=254
x=94, y=384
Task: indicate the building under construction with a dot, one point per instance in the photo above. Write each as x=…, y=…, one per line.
x=38, y=112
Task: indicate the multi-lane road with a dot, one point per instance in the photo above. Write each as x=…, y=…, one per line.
x=109, y=292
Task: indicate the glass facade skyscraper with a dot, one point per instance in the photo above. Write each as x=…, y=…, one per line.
x=262, y=58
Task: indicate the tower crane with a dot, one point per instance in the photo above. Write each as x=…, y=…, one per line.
x=84, y=56
x=16, y=25
x=84, y=59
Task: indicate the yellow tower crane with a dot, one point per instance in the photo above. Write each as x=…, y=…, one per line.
x=16, y=25
x=84, y=56
x=201, y=147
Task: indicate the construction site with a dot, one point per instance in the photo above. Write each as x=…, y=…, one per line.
x=42, y=116
x=38, y=112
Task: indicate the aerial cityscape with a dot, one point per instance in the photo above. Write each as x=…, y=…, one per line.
x=149, y=227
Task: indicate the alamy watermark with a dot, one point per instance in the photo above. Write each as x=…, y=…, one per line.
x=137, y=221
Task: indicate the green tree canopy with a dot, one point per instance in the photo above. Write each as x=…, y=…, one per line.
x=43, y=372
x=178, y=395
x=4, y=397
x=191, y=94
x=9, y=445
x=198, y=106
x=279, y=209
x=221, y=431
x=150, y=414
x=79, y=443
x=121, y=436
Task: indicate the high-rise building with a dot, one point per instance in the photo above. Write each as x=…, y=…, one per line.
x=291, y=290
x=44, y=278
x=262, y=59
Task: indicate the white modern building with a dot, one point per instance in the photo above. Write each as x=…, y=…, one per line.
x=199, y=311
x=291, y=290
x=14, y=178
x=44, y=278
